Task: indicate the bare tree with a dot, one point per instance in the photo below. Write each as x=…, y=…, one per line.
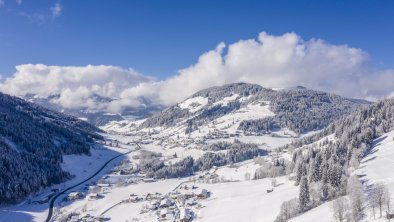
x=356, y=196
x=247, y=176
x=379, y=197
x=388, y=202
x=274, y=183
x=340, y=207
x=288, y=209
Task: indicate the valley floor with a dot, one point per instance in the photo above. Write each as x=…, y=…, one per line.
x=234, y=198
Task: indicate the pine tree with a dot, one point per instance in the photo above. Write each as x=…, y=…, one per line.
x=304, y=194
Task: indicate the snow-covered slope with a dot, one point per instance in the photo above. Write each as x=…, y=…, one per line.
x=32, y=143
x=246, y=112
x=376, y=166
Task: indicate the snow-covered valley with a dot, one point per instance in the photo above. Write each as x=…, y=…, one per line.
x=231, y=153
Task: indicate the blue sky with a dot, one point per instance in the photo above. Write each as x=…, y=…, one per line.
x=159, y=37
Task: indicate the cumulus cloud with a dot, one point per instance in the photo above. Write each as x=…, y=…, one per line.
x=271, y=61
x=281, y=61
x=73, y=86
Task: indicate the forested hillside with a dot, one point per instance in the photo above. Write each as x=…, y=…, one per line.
x=323, y=166
x=298, y=109
x=32, y=142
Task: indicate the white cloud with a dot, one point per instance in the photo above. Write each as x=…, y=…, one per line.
x=19, y=2
x=76, y=86
x=270, y=61
x=42, y=16
x=1, y=3
x=281, y=61
x=56, y=10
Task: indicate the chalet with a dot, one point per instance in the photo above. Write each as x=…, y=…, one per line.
x=102, y=185
x=190, y=202
x=189, y=195
x=166, y=203
x=185, y=215
x=166, y=214
x=74, y=218
x=154, y=205
x=93, y=196
x=134, y=199
x=203, y=194
x=181, y=200
x=74, y=195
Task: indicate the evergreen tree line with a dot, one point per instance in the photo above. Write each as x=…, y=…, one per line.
x=32, y=142
x=323, y=169
x=298, y=109
x=156, y=168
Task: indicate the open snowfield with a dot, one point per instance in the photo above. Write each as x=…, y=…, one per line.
x=194, y=104
x=322, y=213
x=377, y=166
x=245, y=200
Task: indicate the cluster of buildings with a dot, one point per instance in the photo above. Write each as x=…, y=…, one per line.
x=178, y=205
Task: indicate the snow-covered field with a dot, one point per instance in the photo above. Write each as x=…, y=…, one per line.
x=322, y=213
x=246, y=200
x=377, y=165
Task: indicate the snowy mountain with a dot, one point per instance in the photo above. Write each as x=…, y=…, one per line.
x=247, y=109
x=32, y=142
x=97, y=117
x=259, y=110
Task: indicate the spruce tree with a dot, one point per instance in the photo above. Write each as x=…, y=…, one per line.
x=304, y=194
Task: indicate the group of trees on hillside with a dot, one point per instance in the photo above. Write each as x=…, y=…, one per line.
x=236, y=152
x=300, y=110
x=32, y=142
x=327, y=165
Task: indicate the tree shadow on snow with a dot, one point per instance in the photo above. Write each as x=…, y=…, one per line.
x=12, y=215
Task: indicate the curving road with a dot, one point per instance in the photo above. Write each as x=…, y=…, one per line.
x=50, y=212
